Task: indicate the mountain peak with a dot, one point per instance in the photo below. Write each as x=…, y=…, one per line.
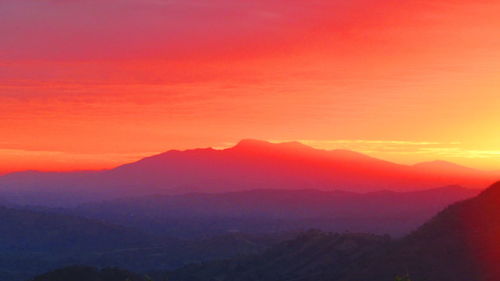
x=251, y=143
x=260, y=144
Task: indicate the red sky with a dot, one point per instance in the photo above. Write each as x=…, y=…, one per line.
x=89, y=84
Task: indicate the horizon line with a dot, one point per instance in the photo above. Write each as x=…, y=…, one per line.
x=134, y=157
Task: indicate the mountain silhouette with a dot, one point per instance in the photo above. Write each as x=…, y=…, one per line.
x=314, y=255
x=448, y=169
x=40, y=231
x=32, y=242
x=461, y=243
x=85, y=273
x=251, y=164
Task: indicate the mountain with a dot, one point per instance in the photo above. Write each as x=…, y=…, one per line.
x=32, y=242
x=251, y=164
x=313, y=255
x=25, y=230
x=182, y=251
x=445, y=166
x=260, y=211
x=461, y=243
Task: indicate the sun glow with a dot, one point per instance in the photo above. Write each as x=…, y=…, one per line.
x=406, y=81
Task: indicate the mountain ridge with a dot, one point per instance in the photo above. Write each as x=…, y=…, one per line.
x=251, y=164
x=460, y=243
x=275, y=209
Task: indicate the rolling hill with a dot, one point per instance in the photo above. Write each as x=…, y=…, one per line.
x=25, y=230
x=85, y=273
x=314, y=255
x=460, y=243
x=32, y=242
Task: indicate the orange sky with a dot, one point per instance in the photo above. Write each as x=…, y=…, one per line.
x=89, y=84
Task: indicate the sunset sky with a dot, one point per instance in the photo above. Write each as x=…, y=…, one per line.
x=90, y=84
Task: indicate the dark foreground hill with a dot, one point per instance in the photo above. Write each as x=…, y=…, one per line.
x=84, y=273
x=462, y=243
x=313, y=255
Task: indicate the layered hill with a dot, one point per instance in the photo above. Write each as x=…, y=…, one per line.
x=461, y=243
x=313, y=255
x=259, y=211
x=25, y=230
x=85, y=273
x=32, y=242
x=249, y=165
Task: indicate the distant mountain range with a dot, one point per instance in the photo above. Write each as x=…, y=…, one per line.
x=461, y=243
x=251, y=164
x=169, y=231
x=261, y=211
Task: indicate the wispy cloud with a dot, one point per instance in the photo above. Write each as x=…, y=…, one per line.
x=391, y=142
x=381, y=148
x=27, y=152
x=47, y=160
x=461, y=152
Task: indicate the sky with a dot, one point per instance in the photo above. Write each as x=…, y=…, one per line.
x=91, y=84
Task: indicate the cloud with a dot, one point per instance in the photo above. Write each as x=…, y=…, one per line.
x=133, y=29
x=396, y=142
x=448, y=150
x=462, y=153
x=70, y=156
x=47, y=160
